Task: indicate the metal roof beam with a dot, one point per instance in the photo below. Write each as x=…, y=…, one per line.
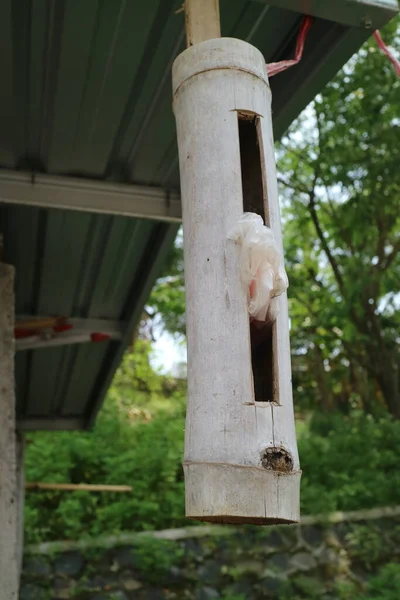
x=370, y=14
x=50, y=424
x=143, y=202
x=82, y=331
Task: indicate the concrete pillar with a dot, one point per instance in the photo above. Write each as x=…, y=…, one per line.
x=20, y=445
x=10, y=453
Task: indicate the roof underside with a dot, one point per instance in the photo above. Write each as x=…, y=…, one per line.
x=86, y=92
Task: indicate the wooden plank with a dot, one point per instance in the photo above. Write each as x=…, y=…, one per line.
x=77, y=487
x=9, y=505
x=202, y=21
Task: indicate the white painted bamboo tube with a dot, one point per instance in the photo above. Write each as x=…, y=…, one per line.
x=241, y=462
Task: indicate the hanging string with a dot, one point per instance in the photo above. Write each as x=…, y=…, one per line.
x=388, y=53
x=278, y=67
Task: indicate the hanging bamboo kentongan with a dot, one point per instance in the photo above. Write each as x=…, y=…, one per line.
x=241, y=462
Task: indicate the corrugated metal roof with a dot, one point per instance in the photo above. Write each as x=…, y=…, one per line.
x=86, y=91
x=79, y=265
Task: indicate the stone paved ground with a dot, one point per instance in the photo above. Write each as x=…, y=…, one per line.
x=314, y=560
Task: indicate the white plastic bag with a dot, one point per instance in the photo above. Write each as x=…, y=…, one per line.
x=261, y=264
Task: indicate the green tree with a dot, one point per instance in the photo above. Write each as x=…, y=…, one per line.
x=341, y=189
x=166, y=305
x=137, y=440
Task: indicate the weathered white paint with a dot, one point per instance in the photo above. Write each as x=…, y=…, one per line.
x=9, y=501
x=226, y=431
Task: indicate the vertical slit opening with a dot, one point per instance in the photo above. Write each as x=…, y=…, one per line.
x=261, y=335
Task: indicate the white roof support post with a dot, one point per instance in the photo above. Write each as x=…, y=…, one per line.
x=241, y=461
x=11, y=469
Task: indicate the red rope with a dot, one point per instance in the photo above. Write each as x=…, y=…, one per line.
x=278, y=67
x=388, y=53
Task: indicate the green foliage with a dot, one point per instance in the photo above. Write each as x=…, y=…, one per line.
x=301, y=586
x=340, y=191
x=167, y=300
x=340, y=180
x=136, y=369
x=155, y=557
x=349, y=463
x=365, y=544
x=137, y=441
x=346, y=590
x=385, y=585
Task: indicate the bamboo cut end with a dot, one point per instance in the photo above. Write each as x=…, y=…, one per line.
x=241, y=520
x=235, y=494
x=226, y=54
